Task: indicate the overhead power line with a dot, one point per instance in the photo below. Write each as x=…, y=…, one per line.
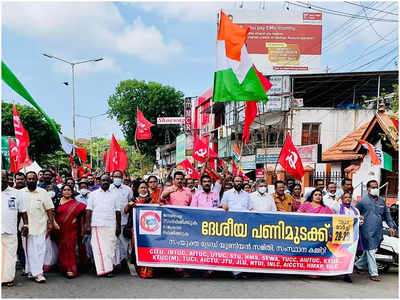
x=370, y=25
x=374, y=60
x=338, y=13
x=390, y=13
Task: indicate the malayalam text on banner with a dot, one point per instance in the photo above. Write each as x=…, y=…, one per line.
x=291, y=243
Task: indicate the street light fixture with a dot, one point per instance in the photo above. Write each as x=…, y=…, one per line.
x=72, y=64
x=91, y=135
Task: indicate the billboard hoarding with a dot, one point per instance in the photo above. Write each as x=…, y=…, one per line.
x=170, y=120
x=290, y=43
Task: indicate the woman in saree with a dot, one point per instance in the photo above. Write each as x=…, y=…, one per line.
x=314, y=204
x=70, y=217
x=142, y=198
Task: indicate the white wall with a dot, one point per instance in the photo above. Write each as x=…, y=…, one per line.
x=366, y=173
x=335, y=123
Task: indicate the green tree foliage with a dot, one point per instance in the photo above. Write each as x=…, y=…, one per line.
x=42, y=139
x=154, y=100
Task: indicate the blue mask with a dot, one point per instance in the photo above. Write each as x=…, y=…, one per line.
x=117, y=181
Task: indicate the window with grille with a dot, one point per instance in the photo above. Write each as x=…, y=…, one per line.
x=310, y=133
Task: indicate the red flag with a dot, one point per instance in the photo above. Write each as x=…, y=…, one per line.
x=142, y=127
x=59, y=180
x=251, y=107
x=264, y=81
x=22, y=140
x=190, y=170
x=13, y=151
x=117, y=158
x=221, y=163
x=201, y=151
x=234, y=168
x=82, y=153
x=71, y=161
x=250, y=115
x=290, y=159
x=245, y=178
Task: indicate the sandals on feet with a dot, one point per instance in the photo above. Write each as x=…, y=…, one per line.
x=375, y=278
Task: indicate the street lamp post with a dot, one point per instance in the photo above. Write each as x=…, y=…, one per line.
x=73, y=64
x=91, y=133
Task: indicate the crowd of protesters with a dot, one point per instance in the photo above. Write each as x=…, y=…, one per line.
x=87, y=226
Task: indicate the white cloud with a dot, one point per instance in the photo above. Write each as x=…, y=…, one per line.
x=146, y=42
x=88, y=28
x=186, y=11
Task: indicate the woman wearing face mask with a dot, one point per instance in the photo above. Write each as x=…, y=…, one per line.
x=142, y=198
x=71, y=219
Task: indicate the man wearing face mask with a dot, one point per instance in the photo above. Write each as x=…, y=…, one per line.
x=125, y=195
x=41, y=219
x=103, y=222
x=52, y=189
x=330, y=199
x=374, y=210
x=83, y=192
x=260, y=200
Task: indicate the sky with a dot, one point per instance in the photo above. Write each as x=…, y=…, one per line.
x=172, y=43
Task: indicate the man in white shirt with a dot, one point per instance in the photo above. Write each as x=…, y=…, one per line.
x=40, y=209
x=103, y=221
x=236, y=198
x=260, y=200
x=12, y=204
x=124, y=194
x=330, y=198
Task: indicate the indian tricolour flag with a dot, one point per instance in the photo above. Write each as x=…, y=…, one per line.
x=235, y=76
x=378, y=157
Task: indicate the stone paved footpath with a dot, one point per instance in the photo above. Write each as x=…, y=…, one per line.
x=223, y=286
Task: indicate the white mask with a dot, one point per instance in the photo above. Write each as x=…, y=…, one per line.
x=262, y=189
x=374, y=192
x=144, y=195
x=51, y=194
x=84, y=192
x=332, y=194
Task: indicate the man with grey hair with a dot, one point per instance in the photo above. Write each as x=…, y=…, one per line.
x=260, y=200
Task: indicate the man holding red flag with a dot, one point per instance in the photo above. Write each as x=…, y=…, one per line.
x=143, y=127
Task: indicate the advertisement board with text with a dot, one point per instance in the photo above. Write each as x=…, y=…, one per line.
x=288, y=42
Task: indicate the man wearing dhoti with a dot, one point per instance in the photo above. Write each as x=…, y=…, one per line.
x=12, y=204
x=103, y=221
x=40, y=208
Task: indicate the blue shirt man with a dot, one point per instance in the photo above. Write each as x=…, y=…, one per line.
x=374, y=210
x=236, y=198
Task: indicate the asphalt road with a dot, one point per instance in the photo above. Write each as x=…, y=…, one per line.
x=168, y=286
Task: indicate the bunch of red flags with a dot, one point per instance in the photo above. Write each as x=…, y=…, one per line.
x=19, y=157
x=201, y=151
x=142, y=127
x=190, y=170
x=115, y=158
x=251, y=108
x=290, y=159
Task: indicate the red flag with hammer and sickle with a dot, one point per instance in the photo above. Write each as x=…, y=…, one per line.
x=190, y=170
x=290, y=159
x=116, y=158
x=201, y=151
x=142, y=127
x=22, y=140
